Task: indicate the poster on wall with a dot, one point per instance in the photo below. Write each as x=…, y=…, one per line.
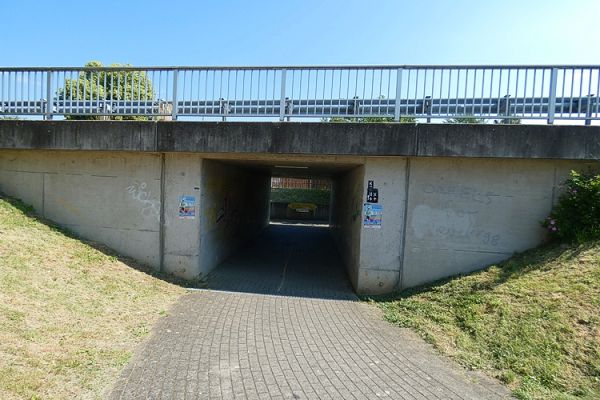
x=187, y=207
x=373, y=214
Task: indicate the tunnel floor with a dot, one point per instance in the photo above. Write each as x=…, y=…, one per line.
x=286, y=260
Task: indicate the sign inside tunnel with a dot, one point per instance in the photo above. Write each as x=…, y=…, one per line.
x=373, y=214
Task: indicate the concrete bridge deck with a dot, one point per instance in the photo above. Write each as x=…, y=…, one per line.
x=308, y=138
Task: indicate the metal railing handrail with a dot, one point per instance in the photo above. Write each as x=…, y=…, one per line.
x=302, y=67
x=429, y=92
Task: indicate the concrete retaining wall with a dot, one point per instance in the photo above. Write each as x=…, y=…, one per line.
x=441, y=216
x=112, y=198
x=464, y=214
x=115, y=198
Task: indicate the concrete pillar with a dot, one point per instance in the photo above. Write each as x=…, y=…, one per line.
x=381, y=242
x=181, y=214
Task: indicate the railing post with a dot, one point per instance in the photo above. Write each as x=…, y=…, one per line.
x=507, y=105
x=224, y=108
x=282, y=97
x=427, y=105
x=174, y=108
x=588, y=109
x=49, y=102
x=552, y=99
x=398, y=88
x=289, y=108
x=353, y=108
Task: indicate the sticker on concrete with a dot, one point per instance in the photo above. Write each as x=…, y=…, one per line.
x=373, y=215
x=187, y=207
x=372, y=193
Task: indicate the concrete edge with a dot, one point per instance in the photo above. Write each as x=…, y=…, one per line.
x=307, y=138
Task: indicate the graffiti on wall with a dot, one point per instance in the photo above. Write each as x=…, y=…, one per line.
x=150, y=208
x=451, y=223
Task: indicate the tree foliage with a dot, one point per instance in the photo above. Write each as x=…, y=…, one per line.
x=508, y=121
x=576, y=216
x=107, y=85
x=465, y=120
x=403, y=120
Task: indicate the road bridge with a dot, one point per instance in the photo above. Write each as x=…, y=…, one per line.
x=184, y=197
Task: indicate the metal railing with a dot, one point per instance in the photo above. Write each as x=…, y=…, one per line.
x=527, y=92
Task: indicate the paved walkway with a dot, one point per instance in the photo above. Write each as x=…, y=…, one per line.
x=282, y=323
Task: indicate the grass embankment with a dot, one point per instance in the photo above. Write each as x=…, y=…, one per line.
x=70, y=315
x=533, y=321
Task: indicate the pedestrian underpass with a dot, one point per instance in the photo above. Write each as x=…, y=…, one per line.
x=409, y=204
x=296, y=253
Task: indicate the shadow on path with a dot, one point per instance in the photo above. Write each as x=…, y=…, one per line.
x=286, y=260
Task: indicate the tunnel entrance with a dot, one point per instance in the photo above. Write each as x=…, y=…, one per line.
x=276, y=226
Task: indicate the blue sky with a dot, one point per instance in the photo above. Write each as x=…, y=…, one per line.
x=308, y=32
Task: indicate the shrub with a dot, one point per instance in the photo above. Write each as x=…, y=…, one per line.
x=576, y=216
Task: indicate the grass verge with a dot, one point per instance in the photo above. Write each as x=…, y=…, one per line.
x=71, y=312
x=532, y=321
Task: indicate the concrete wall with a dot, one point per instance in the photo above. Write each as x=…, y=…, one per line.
x=381, y=248
x=441, y=215
x=115, y=198
x=112, y=198
x=181, y=236
x=234, y=207
x=465, y=214
x=346, y=211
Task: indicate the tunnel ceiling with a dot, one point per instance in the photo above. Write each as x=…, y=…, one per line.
x=293, y=167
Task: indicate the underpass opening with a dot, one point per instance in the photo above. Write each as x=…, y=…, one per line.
x=300, y=200
x=276, y=226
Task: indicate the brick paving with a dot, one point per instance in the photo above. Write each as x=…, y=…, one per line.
x=280, y=321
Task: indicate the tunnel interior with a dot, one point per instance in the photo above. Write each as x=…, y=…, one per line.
x=259, y=236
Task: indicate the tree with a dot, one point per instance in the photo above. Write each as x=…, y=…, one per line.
x=107, y=85
x=465, y=120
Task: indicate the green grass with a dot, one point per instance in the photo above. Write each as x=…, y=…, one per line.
x=319, y=197
x=533, y=321
x=71, y=312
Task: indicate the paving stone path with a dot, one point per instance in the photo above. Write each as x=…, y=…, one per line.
x=280, y=322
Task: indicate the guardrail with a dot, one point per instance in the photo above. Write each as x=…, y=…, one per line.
x=530, y=92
